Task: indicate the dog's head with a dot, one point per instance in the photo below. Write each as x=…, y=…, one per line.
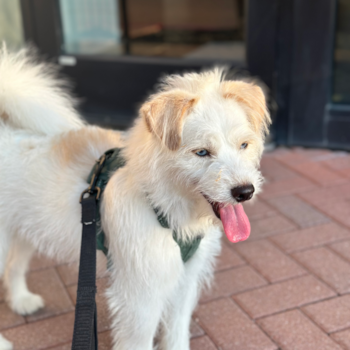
x=212, y=132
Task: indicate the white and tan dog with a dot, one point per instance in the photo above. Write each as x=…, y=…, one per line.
x=193, y=153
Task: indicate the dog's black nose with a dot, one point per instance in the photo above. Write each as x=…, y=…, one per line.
x=243, y=193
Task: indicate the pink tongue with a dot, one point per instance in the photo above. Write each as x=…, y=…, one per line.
x=236, y=223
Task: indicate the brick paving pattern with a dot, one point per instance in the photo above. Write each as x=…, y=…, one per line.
x=286, y=288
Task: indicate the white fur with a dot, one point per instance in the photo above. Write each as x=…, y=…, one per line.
x=5, y=344
x=150, y=288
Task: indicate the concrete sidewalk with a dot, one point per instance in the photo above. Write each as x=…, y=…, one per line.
x=287, y=287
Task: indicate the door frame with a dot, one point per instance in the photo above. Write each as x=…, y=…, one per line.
x=294, y=57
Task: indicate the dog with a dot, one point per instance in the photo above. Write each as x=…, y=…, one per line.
x=193, y=153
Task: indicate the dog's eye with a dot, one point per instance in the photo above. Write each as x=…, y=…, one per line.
x=202, y=153
x=244, y=145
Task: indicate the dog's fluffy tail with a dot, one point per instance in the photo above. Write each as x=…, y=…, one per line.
x=31, y=96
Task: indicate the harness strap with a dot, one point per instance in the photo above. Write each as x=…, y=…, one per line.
x=85, y=324
x=112, y=161
x=187, y=248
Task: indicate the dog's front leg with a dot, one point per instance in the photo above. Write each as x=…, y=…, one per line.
x=141, y=286
x=175, y=332
x=198, y=270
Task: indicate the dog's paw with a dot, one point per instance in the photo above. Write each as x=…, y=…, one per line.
x=27, y=303
x=5, y=344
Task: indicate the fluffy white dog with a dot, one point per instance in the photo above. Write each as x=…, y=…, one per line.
x=193, y=154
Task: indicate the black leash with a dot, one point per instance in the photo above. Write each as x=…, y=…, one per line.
x=85, y=325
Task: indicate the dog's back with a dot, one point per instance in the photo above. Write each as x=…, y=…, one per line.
x=46, y=153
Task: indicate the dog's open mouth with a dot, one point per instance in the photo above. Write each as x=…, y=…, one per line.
x=234, y=220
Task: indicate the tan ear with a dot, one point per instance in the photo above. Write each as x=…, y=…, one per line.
x=164, y=115
x=252, y=98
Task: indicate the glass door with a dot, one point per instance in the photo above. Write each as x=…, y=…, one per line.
x=115, y=51
x=11, y=29
x=91, y=27
x=341, y=81
x=186, y=29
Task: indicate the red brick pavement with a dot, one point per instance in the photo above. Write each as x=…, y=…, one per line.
x=287, y=287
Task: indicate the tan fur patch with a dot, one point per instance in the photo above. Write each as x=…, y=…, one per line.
x=71, y=147
x=253, y=100
x=4, y=116
x=164, y=115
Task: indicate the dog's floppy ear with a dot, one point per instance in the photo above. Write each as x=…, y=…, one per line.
x=164, y=115
x=252, y=98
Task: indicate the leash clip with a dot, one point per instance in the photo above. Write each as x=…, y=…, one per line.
x=91, y=191
x=92, y=187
